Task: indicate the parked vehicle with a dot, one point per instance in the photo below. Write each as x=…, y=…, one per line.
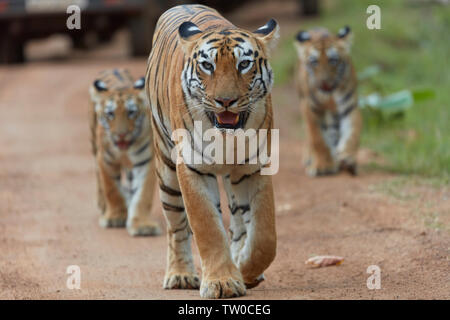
x=23, y=20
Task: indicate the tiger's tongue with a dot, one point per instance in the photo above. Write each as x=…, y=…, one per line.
x=227, y=117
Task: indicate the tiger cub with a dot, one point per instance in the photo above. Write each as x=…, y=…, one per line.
x=122, y=143
x=327, y=84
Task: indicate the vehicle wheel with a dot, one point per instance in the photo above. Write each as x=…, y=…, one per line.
x=104, y=37
x=222, y=6
x=310, y=7
x=78, y=40
x=141, y=33
x=11, y=50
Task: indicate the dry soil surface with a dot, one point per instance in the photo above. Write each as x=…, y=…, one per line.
x=48, y=216
x=48, y=213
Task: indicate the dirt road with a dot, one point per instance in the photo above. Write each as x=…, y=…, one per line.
x=48, y=216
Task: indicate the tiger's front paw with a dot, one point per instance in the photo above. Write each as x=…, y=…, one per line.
x=181, y=281
x=222, y=288
x=349, y=165
x=112, y=222
x=143, y=228
x=315, y=170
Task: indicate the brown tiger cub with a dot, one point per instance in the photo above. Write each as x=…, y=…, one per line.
x=326, y=82
x=122, y=143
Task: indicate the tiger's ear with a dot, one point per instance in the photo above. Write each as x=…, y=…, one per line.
x=268, y=34
x=100, y=86
x=302, y=38
x=188, y=32
x=140, y=85
x=96, y=89
x=345, y=37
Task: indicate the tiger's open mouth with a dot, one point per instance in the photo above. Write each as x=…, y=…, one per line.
x=122, y=144
x=227, y=120
x=327, y=87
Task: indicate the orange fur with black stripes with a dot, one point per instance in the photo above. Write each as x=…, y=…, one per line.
x=122, y=144
x=202, y=68
x=327, y=86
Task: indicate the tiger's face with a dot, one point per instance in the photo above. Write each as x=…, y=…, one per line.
x=325, y=56
x=121, y=112
x=226, y=72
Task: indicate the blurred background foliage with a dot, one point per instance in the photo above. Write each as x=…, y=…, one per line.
x=403, y=68
x=410, y=56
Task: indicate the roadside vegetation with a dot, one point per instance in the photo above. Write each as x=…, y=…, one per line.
x=411, y=52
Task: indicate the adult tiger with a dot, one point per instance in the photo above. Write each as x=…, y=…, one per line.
x=122, y=143
x=329, y=102
x=203, y=68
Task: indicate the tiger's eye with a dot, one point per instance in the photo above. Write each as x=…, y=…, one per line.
x=313, y=61
x=131, y=113
x=244, y=64
x=110, y=114
x=208, y=66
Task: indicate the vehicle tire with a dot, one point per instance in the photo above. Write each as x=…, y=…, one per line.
x=222, y=6
x=309, y=7
x=141, y=33
x=11, y=50
x=78, y=41
x=104, y=37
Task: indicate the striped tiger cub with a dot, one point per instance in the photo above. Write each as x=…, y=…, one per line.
x=203, y=69
x=122, y=143
x=327, y=82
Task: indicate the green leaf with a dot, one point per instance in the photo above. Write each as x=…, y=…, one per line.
x=393, y=103
x=396, y=102
x=423, y=94
x=368, y=72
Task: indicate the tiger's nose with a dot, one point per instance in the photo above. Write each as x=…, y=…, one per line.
x=225, y=102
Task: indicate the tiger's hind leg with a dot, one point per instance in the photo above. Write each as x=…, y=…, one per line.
x=115, y=214
x=180, y=270
x=252, y=227
x=139, y=222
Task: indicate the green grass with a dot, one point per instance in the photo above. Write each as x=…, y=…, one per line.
x=413, y=51
x=400, y=187
x=409, y=189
